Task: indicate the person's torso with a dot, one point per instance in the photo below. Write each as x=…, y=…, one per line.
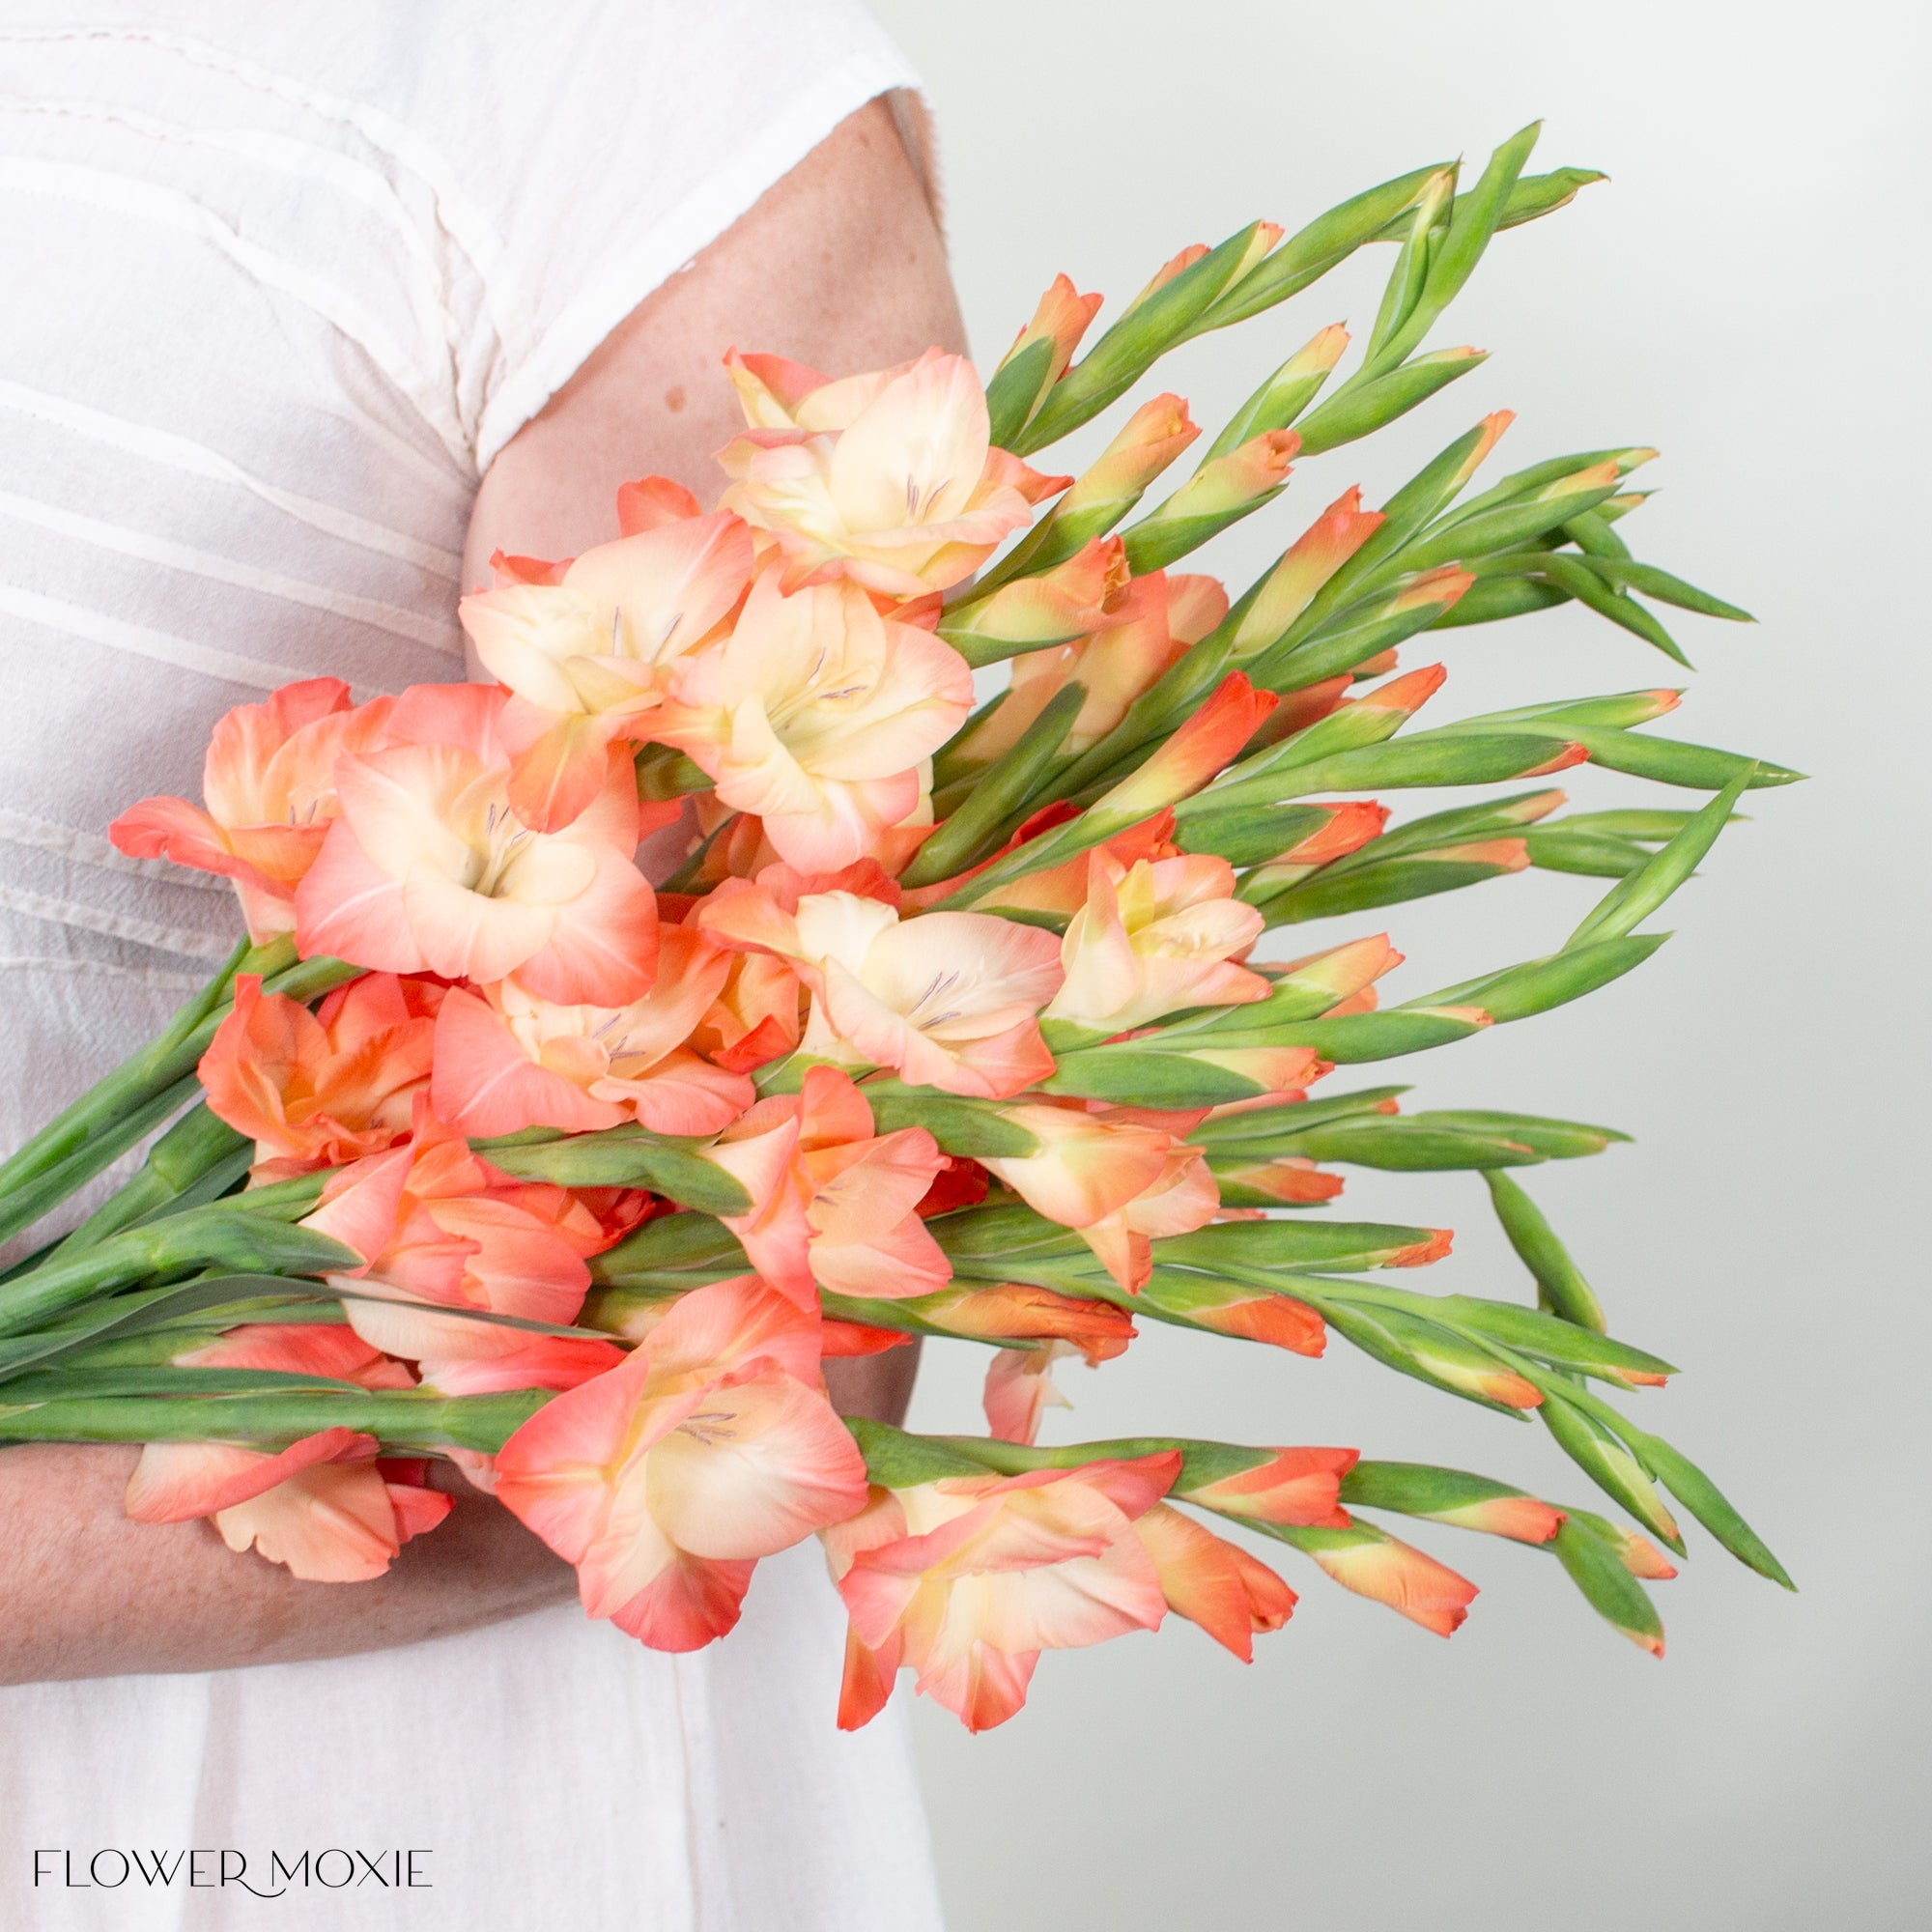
x=234, y=436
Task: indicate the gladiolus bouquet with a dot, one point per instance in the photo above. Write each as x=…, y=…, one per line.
x=951, y=1022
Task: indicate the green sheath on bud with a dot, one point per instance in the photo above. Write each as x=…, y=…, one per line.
x=1607, y=1587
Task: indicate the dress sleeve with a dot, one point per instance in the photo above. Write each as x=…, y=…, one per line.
x=611, y=140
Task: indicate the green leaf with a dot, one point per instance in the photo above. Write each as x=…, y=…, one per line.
x=1391, y=882
x=1584, y=583
x=1311, y=253
x=1539, y=984
x=629, y=1156
x=1248, y=834
x=1553, y=1140
x=1491, y=598
x=1015, y=388
x=1124, y=354
x=1425, y=759
x=1336, y=1247
x=1359, y=409
x=1473, y=219
x=1409, y=1144
x=1702, y=1497
x=1564, y=848
x=973, y=1129
x=1606, y=1460
x=1627, y=575
x=1003, y=790
x=1260, y=1131
x=1636, y=897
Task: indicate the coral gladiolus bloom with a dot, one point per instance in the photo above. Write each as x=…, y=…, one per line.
x=324, y=1506
x=1197, y=753
x=437, y=1227
x=1145, y=630
x=537, y=1362
x=331, y=1349
x=946, y=999
x=1389, y=1571
x=1298, y=1488
x=322, y=1088
x=507, y=1059
x=1154, y=940
x=890, y=479
x=429, y=870
x=666, y=1479
x=967, y=1579
x=1212, y=1582
x=1114, y=1178
x=1179, y=1199
x=268, y=782
x=1020, y=1390
x=837, y=1206
x=589, y=656
x=1062, y=319
x=816, y=714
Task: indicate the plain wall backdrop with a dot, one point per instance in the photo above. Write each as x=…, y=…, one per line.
x=1749, y=292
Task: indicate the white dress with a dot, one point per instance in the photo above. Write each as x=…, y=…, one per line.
x=280, y=281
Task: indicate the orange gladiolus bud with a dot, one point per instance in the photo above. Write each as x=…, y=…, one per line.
x=1299, y=1487
x=1210, y=1582
x=1062, y=319
x=1152, y=436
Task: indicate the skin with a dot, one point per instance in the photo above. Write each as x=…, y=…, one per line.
x=840, y=266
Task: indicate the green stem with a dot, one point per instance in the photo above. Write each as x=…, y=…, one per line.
x=399, y=1419
x=198, y=1143
x=72, y=1148
x=251, y=1238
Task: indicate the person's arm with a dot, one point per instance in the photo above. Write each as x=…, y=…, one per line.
x=839, y=267
x=838, y=264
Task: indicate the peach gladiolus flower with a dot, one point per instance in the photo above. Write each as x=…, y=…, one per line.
x=507, y=1059
x=1061, y=319
x=1155, y=939
x=1020, y=1390
x=322, y=1088
x=324, y=1507
x=665, y=1480
x=268, y=783
x=946, y=999
x=1212, y=1582
x=536, y=1362
x=816, y=714
x=438, y=1228
x=967, y=1579
x=429, y=870
x=837, y=1205
x=756, y=1017
x=331, y=1349
x=890, y=479
x=1386, y=1571
x=1115, y=1176
x=588, y=654
x=1179, y=1199
x=1297, y=1488
x=1197, y=753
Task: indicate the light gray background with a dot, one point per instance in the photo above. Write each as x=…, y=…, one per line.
x=1748, y=293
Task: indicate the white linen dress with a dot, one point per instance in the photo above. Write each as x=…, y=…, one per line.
x=276, y=282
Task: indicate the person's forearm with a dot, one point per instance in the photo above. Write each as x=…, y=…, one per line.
x=86, y=1592
x=876, y=1386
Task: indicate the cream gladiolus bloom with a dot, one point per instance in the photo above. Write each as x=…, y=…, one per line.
x=890, y=479
x=1155, y=939
x=818, y=715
